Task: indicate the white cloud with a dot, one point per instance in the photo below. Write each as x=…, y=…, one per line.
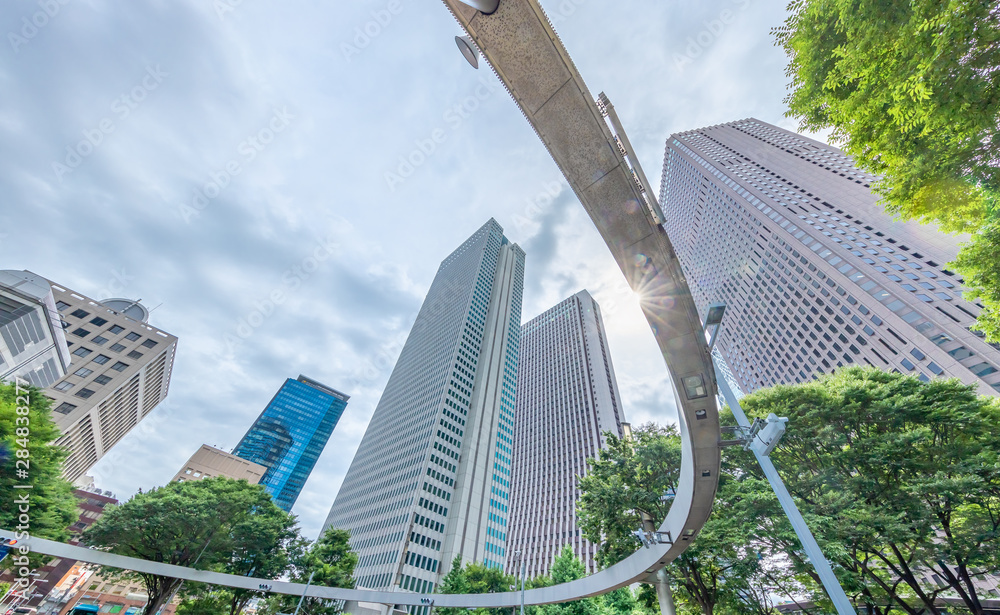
x=325, y=175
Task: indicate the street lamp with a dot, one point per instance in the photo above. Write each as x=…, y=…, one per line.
x=487, y=7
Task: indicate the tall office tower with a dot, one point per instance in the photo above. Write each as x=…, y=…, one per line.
x=289, y=435
x=120, y=371
x=567, y=397
x=786, y=231
x=32, y=342
x=209, y=461
x=431, y=477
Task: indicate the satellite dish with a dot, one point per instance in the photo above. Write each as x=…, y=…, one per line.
x=468, y=49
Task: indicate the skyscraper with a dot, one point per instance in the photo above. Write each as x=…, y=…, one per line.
x=289, y=435
x=786, y=231
x=567, y=397
x=120, y=371
x=32, y=342
x=431, y=477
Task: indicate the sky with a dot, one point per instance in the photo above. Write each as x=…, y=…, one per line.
x=202, y=155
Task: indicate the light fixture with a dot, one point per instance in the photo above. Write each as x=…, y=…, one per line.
x=468, y=49
x=483, y=6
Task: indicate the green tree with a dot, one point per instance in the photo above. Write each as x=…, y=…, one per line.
x=632, y=481
x=979, y=264
x=209, y=603
x=567, y=567
x=473, y=578
x=26, y=425
x=212, y=524
x=910, y=89
x=329, y=561
x=900, y=476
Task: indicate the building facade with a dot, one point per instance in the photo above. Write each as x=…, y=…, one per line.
x=431, y=478
x=45, y=593
x=32, y=341
x=120, y=371
x=567, y=398
x=787, y=233
x=290, y=434
x=209, y=461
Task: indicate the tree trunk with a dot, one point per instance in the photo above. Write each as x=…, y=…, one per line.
x=158, y=599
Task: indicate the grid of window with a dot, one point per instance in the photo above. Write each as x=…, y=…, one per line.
x=815, y=276
x=290, y=434
x=407, y=495
x=567, y=398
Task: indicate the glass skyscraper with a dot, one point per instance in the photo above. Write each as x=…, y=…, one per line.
x=431, y=478
x=289, y=435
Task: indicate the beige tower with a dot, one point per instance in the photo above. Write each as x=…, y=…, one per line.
x=120, y=371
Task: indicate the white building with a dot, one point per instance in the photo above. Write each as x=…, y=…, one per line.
x=32, y=343
x=120, y=371
x=567, y=398
x=431, y=477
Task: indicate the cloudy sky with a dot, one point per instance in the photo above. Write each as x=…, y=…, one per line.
x=200, y=154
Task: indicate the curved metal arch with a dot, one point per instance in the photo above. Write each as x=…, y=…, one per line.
x=524, y=51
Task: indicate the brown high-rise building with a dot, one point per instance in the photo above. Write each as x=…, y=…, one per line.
x=209, y=461
x=787, y=233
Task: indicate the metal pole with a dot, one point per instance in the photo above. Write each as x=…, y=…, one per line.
x=304, y=592
x=663, y=593
x=524, y=566
x=809, y=544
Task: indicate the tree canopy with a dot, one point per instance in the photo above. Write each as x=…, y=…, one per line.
x=633, y=480
x=329, y=561
x=902, y=478
x=213, y=524
x=911, y=90
x=29, y=457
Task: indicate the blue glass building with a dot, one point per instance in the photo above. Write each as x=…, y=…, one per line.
x=289, y=435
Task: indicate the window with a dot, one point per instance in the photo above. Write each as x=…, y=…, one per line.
x=81, y=332
x=117, y=347
x=119, y=366
x=934, y=368
x=61, y=305
x=101, y=359
x=940, y=339
x=84, y=393
x=116, y=329
x=149, y=343
x=98, y=321
x=919, y=356
x=100, y=340
x=961, y=353
x=135, y=354
x=80, y=313
x=63, y=386
x=983, y=369
x=102, y=379
x=133, y=336
x=83, y=372
x=65, y=408
x=81, y=352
